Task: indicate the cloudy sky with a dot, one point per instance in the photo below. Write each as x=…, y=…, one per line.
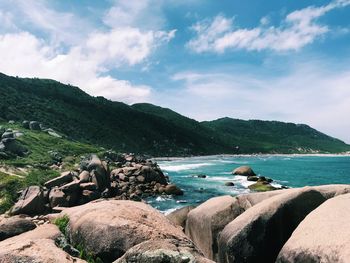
x=281, y=60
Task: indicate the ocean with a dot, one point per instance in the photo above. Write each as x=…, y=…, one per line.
x=287, y=170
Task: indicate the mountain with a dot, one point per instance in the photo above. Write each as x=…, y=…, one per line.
x=146, y=128
x=274, y=137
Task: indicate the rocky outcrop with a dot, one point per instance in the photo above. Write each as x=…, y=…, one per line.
x=323, y=236
x=160, y=251
x=243, y=170
x=131, y=181
x=108, y=229
x=205, y=222
x=14, y=226
x=260, y=232
x=37, y=246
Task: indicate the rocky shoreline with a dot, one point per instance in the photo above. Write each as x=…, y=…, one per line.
x=97, y=214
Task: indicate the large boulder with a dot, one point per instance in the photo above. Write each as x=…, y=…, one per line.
x=30, y=202
x=66, y=177
x=323, y=236
x=14, y=146
x=179, y=216
x=14, y=226
x=243, y=170
x=36, y=246
x=98, y=171
x=259, y=233
x=34, y=125
x=107, y=229
x=58, y=198
x=161, y=251
x=205, y=222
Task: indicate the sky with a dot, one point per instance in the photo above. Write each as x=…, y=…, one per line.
x=280, y=60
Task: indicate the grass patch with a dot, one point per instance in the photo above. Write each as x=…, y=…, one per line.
x=89, y=257
x=260, y=187
x=62, y=223
x=9, y=186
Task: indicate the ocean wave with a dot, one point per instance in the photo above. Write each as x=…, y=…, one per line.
x=182, y=167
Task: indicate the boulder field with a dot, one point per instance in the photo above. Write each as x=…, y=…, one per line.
x=131, y=179
x=306, y=224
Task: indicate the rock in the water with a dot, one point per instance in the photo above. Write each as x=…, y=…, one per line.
x=323, y=236
x=65, y=178
x=243, y=170
x=252, y=178
x=229, y=184
x=172, y=189
x=179, y=216
x=261, y=186
x=260, y=232
x=14, y=226
x=31, y=202
x=163, y=251
x=37, y=246
x=108, y=229
x=34, y=125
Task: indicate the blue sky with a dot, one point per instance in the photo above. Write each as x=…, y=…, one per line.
x=281, y=60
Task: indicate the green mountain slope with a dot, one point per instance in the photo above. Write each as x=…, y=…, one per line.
x=275, y=137
x=100, y=121
x=146, y=128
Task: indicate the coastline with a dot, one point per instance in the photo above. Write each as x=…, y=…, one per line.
x=176, y=158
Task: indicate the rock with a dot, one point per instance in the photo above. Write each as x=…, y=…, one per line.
x=151, y=174
x=70, y=187
x=58, y=198
x=100, y=180
x=14, y=146
x=53, y=133
x=8, y=134
x=65, y=178
x=34, y=125
x=88, y=186
x=260, y=232
x=252, y=178
x=25, y=124
x=163, y=251
x=200, y=176
x=179, y=216
x=323, y=236
x=14, y=226
x=229, y=184
x=88, y=196
x=261, y=186
x=84, y=177
x=205, y=222
x=108, y=229
x=243, y=170
x=37, y=246
x=172, y=189
x=31, y=202
x=140, y=179
x=12, y=122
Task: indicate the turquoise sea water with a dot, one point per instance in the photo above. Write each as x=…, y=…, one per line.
x=288, y=170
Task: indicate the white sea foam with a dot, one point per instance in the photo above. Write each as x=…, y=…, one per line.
x=182, y=167
x=243, y=180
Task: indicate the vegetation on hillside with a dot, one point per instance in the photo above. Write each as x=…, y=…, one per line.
x=148, y=129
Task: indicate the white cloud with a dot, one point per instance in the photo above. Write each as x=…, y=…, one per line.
x=145, y=14
x=309, y=94
x=298, y=29
x=79, y=58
